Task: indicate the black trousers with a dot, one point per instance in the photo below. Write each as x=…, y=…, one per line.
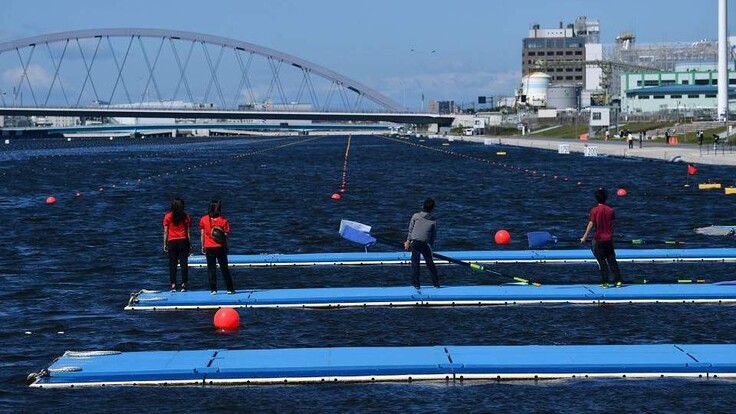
x=178, y=255
x=214, y=255
x=606, y=257
x=423, y=248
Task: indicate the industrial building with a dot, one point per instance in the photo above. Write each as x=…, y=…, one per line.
x=691, y=88
x=557, y=59
x=568, y=67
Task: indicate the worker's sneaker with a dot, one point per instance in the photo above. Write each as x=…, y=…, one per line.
x=604, y=285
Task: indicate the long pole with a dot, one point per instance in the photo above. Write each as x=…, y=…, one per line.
x=722, y=61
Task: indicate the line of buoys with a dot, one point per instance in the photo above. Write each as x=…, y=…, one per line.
x=343, y=181
x=101, y=189
x=529, y=172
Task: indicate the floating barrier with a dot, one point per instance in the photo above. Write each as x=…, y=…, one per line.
x=508, y=294
x=477, y=256
x=729, y=190
x=372, y=364
x=709, y=186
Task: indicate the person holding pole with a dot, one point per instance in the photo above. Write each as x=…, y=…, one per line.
x=422, y=232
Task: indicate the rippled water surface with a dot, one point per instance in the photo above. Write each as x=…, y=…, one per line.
x=67, y=269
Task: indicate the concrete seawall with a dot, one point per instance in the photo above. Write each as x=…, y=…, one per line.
x=689, y=153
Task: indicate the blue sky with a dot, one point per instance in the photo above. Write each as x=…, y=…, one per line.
x=476, y=43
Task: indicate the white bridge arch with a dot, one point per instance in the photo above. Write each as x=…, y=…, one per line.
x=135, y=67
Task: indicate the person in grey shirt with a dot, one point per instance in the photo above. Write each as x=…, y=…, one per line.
x=422, y=231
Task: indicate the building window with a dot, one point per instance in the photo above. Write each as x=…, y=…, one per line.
x=550, y=53
x=568, y=77
x=675, y=96
x=651, y=83
x=708, y=95
x=597, y=116
x=732, y=81
x=568, y=53
x=668, y=82
x=578, y=78
x=685, y=82
x=702, y=81
x=578, y=53
x=559, y=53
x=643, y=96
x=558, y=77
x=658, y=97
x=693, y=96
x=532, y=53
x=578, y=69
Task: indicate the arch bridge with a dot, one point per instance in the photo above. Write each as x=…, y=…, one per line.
x=179, y=74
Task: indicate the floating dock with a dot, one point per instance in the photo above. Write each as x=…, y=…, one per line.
x=370, y=364
x=509, y=294
x=476, y=256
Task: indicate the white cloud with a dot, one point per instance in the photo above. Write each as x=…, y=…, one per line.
x=36, y=74
x=459, y=86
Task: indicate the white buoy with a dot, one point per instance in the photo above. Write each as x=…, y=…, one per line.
x=7, y=141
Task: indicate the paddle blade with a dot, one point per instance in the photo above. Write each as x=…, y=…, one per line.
x=539, y=239
x=356, y=232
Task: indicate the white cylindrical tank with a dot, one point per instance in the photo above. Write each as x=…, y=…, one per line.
x=563, y=96
x=534, y=88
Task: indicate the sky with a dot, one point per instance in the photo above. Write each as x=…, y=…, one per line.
x=442, y=50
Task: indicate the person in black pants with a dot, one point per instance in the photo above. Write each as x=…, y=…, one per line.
x=602, y=216
x=422, y=231
x=212, y=225
x=177, y=242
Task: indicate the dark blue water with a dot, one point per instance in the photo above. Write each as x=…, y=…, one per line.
x=67, y=269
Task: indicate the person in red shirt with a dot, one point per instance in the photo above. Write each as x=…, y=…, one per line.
x=214, y=250
x=177, y=242
x=602, y=216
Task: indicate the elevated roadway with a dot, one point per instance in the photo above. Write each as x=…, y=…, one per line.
x=184, y=113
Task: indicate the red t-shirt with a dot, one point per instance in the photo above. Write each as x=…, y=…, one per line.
x=177, y=231
x=206, y=223
x=602, y=216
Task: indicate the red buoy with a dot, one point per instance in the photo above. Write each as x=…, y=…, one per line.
x=336, y=196
x=227, y=319
x=621, y=192
x=502, y=237
x=50, y=200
